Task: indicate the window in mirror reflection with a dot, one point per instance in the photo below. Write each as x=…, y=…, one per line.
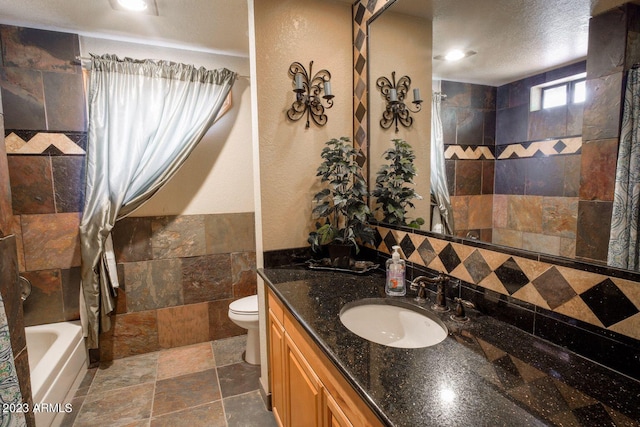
x=573, y=91
x=554, y=96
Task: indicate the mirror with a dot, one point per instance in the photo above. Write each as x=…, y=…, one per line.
x=402, y=45
x=526, y=201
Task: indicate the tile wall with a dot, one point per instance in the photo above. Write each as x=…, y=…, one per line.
x=9, y=285
x=178, y=274
x=592, y=312
x=468, y=127
x=613, y=49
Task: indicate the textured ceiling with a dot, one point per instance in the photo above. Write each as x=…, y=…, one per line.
x=513, y=38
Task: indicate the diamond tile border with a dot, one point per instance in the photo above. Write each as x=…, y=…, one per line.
x=553, y=147
x=42, y=143
x=591, y=297
x=363, y=12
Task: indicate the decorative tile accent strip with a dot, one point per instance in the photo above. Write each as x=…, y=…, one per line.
x=42, y=143
x=363, y=10
x=465, y=152
x=552, y=147
x=606, y=302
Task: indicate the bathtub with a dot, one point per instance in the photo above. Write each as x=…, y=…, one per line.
x=57, y=358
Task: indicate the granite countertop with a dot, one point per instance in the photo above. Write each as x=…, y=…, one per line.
x=485, y=373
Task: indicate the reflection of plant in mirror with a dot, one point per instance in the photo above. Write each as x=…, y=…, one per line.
x=341, y=206
x=392, y=192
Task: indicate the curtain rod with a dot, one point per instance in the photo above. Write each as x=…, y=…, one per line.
x=80, y=59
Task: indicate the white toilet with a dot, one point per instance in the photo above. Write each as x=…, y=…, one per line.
x=244, y=313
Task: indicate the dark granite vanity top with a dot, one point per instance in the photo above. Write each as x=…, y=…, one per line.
x=485, y=373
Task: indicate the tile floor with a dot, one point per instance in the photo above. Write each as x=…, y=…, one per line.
x=205, y=384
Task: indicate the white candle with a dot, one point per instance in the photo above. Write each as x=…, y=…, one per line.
x=298, y=81
x=327, y=88
x=393, y=95
x=416, y=94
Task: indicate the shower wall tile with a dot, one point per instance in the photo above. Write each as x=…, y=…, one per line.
x=21, y=361
x=227, y=233
x=510, y=176
x=178, y=236
x=450, y=170
x=220, y=326
x=575, y=114
x=480, y=212
x=560, y=216
x=183, y=325
x=243, y=274
x=449, y=123
x=206, y=278
x=51, y=241
x=45, y=304
x=572, y=167
x=602, y=109
x=524, y=213
x=31, y=185
x=71, y=279
x=10, y=290
x=469, y=127
x=132, y=239
x=16, y=229
x=458, y=94
x=548, y=123
x=130, y=334
x=153, y=284
x=22, y=98
x=468, y=177
x=488, y=173
x=68, y=182
x=512, y=125
x=64, y=101
x=6, y=210
x=599, y=159
x=537, y=242
x=607, y=36
x=594, y=223
x=39, y=49
x=483, y=97
x=544, y=176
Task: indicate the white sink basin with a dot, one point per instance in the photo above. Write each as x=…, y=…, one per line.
x=393, y=323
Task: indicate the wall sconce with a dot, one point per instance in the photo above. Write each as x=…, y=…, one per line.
x=395, y=94
x=308, y=92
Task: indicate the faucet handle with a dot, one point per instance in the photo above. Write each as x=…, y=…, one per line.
x=460, y=314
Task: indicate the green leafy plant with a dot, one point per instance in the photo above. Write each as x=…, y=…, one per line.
x=341, y=207
x=394, y=191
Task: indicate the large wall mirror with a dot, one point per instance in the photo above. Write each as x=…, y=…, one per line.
x=513, y=170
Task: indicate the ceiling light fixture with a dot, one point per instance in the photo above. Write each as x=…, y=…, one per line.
x=133, y=5
x=454, y=55
x=145, y=7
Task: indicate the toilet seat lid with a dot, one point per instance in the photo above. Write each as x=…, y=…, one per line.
x=246, y=305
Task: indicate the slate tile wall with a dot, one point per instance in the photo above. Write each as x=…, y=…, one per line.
x=178, y=274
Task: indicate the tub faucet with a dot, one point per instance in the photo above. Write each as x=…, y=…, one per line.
x=420, y=284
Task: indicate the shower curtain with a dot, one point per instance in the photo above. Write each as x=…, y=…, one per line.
x=145, y=118
x=624, y=247
x=442, y=218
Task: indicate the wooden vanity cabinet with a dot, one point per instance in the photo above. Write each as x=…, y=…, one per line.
x=307, y=390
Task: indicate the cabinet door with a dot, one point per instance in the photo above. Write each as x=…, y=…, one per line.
x=303, y=389
x=276, y=362
x=333, y=415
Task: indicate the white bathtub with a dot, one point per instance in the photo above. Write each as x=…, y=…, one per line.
x=57, y=357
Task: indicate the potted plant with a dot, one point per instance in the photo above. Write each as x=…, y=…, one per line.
x=394, y=191
x=341, y=206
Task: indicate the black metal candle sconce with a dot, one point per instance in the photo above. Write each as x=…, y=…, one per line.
x=308, y=89
x=395, y=94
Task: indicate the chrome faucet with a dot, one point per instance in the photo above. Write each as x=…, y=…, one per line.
x=420, y=284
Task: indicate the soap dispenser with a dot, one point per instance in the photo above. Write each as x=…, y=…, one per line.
x=395, y=285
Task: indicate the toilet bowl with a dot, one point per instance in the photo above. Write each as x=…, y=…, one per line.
x=244, y=313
